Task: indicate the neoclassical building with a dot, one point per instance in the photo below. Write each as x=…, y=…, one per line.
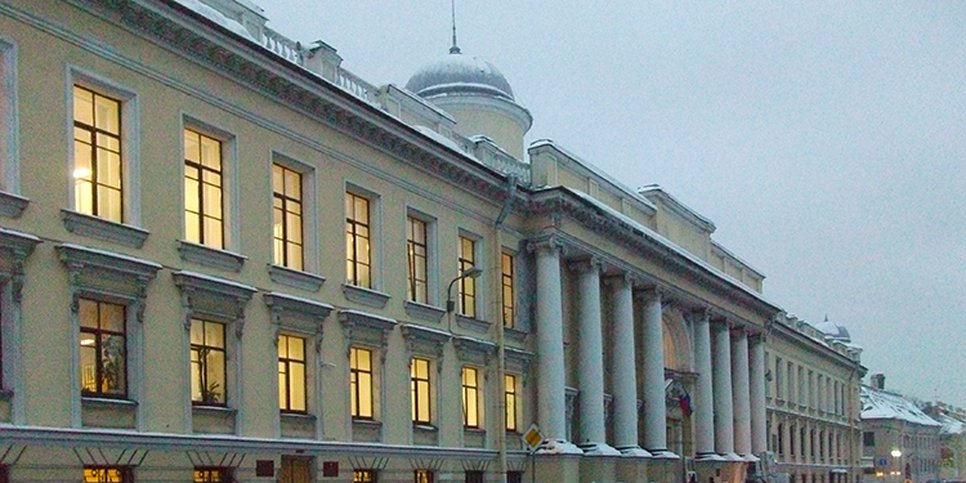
x=225, y=257
x=813, y=378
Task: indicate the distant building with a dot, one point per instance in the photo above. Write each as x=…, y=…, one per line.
x=900, y=441
x=952, y=440
x=814, y=375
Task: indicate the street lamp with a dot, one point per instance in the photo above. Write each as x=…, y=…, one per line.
x=896, y=454
x=471, y=273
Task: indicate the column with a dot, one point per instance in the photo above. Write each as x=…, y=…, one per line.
x=655, y=412
x=703, y=397
x=759, y=430
x=551, y=400
x=741, y=392
x=724, y=429
x=624, y=366
x=590, y=352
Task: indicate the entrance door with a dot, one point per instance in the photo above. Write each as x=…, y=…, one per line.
x=296, y=469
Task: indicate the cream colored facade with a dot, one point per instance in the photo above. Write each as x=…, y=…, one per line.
x=814, y=425
x=900, y=441
x=624, y=306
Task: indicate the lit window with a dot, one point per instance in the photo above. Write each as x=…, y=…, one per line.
x=360, y=383
x=215, y=474
x=510, y=394
x=291, y=373
x=358, y=236
x=103, y=349
x=471, y=398
x=423, y=476
x=203, y=182
x=107, y=474
x=467, y=293
x=416, y=253
x=509, y=312
x=364, y=476
x=97, y=155
x=287, y=212
x=419, y=387
x=208, y=362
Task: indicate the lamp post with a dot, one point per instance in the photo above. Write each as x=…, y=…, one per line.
x=471, y=273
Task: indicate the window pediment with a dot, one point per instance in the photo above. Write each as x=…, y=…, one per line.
x=109, y=275
x=472, y=350
x=423, y=340
x=210, y=296
x=296, y=313
x=518, y=360
x=365, y=328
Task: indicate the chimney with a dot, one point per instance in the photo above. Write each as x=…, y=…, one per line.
x=878, y=381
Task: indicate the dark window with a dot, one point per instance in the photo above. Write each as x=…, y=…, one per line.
x=514, y=477
x=474, y=476
x=868, y=438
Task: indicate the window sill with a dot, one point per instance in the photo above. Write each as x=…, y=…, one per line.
x=365, y=296
x=294, y=416
x=295, y=278
x=111, y=231
x=371, y=423
x=425, y=428
x=211, y=409
x=107, y=401
x=211, y=257
x=12, y=205
x=424, y=312
x=474, y=430
x=475, y=325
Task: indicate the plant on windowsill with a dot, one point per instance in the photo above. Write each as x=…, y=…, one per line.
x=210, y=395
x=113, y=366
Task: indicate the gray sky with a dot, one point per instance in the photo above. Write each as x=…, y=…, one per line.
x=827, y=141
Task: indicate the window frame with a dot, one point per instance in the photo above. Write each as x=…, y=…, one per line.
x=467, y=284
x=230, y=227
x=416, y=382
x=424, y=476
x=355, y=409
x=511, y=402
x=365, y=475
x=129, y=123
x=226, y=474
x=288, y=362
x=125, y=473
x=412, y=278
x=351, y=234
x=474, y=476
x=476, y=390
x=203, y=366
x=508, y=283
x=98, y=355
x=9, y=120
x=306, y=259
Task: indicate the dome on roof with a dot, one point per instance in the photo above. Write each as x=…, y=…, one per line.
x=455, y=73
x=834, y=331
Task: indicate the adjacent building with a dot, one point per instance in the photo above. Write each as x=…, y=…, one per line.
x=225, y=257
x=952, y=440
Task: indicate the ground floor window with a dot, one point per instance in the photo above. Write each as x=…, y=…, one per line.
x=364, y=476
x=474, y=476
x=108, y=474
x=423, y=476
x=215, y=474
x=514, y=477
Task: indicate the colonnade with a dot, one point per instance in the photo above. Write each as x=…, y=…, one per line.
x=729, y=393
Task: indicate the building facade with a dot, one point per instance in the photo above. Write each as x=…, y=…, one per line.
x=900, y=442
x=814, y=375
x=224, y=257
x=952, y=440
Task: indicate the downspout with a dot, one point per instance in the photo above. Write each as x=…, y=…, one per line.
x=497, y=286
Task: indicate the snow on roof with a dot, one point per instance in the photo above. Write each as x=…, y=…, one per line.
x=301, y=300
x=655, y=188
x=950, y=425
x=441, y=139
x=669, y=244
x=212, y=278
x=119, y=256
x=218, y=17
x=887, y=405
x=18, y=234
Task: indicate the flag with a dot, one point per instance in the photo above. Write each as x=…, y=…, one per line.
x=685, y=403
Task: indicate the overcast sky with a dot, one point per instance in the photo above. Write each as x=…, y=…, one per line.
x=827, y=141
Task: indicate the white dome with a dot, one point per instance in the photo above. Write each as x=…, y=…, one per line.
x=834, y=331
x=455, y=73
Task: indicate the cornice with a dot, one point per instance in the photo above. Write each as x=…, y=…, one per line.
x=809, y=344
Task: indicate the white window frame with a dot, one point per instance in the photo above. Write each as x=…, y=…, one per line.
x=310, y=227
x=229, y=179
x=9, y=119
x=432, y=253
x=375, y=233
x=130, y=139
x=480, y=283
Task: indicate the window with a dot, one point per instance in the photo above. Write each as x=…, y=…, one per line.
x=213, y=474
x=360, y=383
x=780, y=449
x=9, y=130
x=514, y=477
x=868, y=439
x=416, y=253
x=358, y=238
x=364, y=476
x=471, y=397
x=467, y=293
x=510, y=399
x=474, y=476
x=103, y=349
x=287, y=213
x=203, y=183
x=779, y=371
x=423, y=476
x=97, y=155
x=208, y=362
x=509, y=309
x=419, y=387
x=107, y=474
x=291, y=373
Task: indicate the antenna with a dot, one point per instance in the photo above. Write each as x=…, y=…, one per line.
x=454, y=49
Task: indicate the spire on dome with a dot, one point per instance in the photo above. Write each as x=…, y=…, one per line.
x=455, y=48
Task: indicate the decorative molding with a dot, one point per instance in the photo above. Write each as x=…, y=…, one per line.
x=548, y=242
x=518, y=361
x=368, y=329
x=12, y=205
x=585, y=264
x=107, y=275
x=475, y=351
x=15, y=247
x=295, y=278
x=111, y=231
x=211, y=257
x=213, y=297
x=479, y=326
x=424, y=312
x=297, y=314
x=365, y=296
x=516, y=335
x=425, y=341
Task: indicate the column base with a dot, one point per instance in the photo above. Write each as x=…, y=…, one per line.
x=558, y=446
x=730, y=457
x=633, y=452
x=598, y=449
x=708, y=457
x=663, y=454
x=750, y=458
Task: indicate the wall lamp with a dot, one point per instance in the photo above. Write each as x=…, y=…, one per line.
x=471, y=273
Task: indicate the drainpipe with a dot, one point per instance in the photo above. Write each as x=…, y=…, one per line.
x=497, y=285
